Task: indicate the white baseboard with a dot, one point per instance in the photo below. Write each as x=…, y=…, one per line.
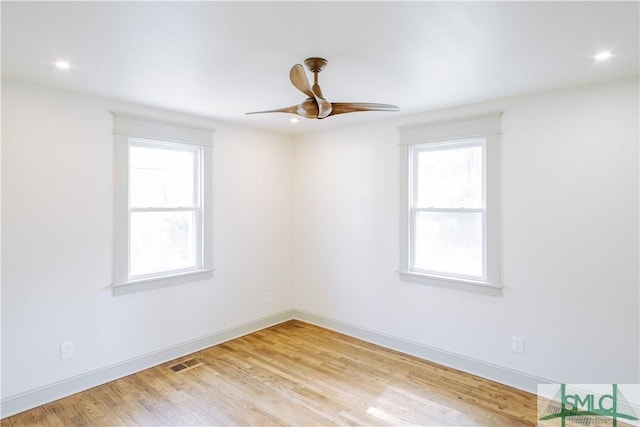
x=39, y=396
x=32, y=398
x=510, y=377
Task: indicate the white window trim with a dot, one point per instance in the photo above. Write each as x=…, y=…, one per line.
x=128, y=126
x=465, y=128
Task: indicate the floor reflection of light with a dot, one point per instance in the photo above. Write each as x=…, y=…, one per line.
x=392, y=408
x=382, y=415
x=439, y=407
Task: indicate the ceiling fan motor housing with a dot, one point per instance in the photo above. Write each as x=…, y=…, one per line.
x=315, y=65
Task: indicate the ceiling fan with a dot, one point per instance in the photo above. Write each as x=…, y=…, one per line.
x=316, y=106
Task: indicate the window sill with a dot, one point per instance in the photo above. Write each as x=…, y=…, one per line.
x=464, y=285
x=161, y=282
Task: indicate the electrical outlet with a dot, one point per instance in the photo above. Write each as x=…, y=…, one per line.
x=517, y=344
x=66, y=350
x=267, y=297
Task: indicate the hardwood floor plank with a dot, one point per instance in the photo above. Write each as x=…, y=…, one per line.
x=292, y=374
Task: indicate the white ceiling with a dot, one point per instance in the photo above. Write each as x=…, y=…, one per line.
x=222, y=59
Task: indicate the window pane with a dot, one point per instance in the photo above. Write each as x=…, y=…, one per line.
x=162, y=242
x=449, y=242
x=161, y=177
x=449, y=178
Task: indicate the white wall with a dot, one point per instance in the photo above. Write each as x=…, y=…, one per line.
x=57, y=222
x=569, y=238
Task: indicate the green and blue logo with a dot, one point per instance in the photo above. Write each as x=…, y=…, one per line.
x=588, y=404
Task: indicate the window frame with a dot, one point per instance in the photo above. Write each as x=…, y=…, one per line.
x=453, y=133
x=134, y=130
x=196, y=209
x=414, y=151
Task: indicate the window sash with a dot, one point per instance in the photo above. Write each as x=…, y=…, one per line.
x=413, y=241
x=416, y=150
x=197, y=168
x=198, y=243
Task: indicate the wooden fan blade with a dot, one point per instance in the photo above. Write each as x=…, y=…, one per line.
x=352, y=107
x=300, y=81
x=324, y=106
x=293, y=110
x=308, y=109
x=316, y=89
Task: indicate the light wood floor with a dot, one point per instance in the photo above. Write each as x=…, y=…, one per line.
x=292, y=374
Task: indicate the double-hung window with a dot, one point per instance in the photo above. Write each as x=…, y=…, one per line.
x=450, y=204
x=163, y=206
x=447, y=211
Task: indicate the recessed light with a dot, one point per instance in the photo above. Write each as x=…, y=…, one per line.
x=603, y=56
x=293, y=120
x=62, y=65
